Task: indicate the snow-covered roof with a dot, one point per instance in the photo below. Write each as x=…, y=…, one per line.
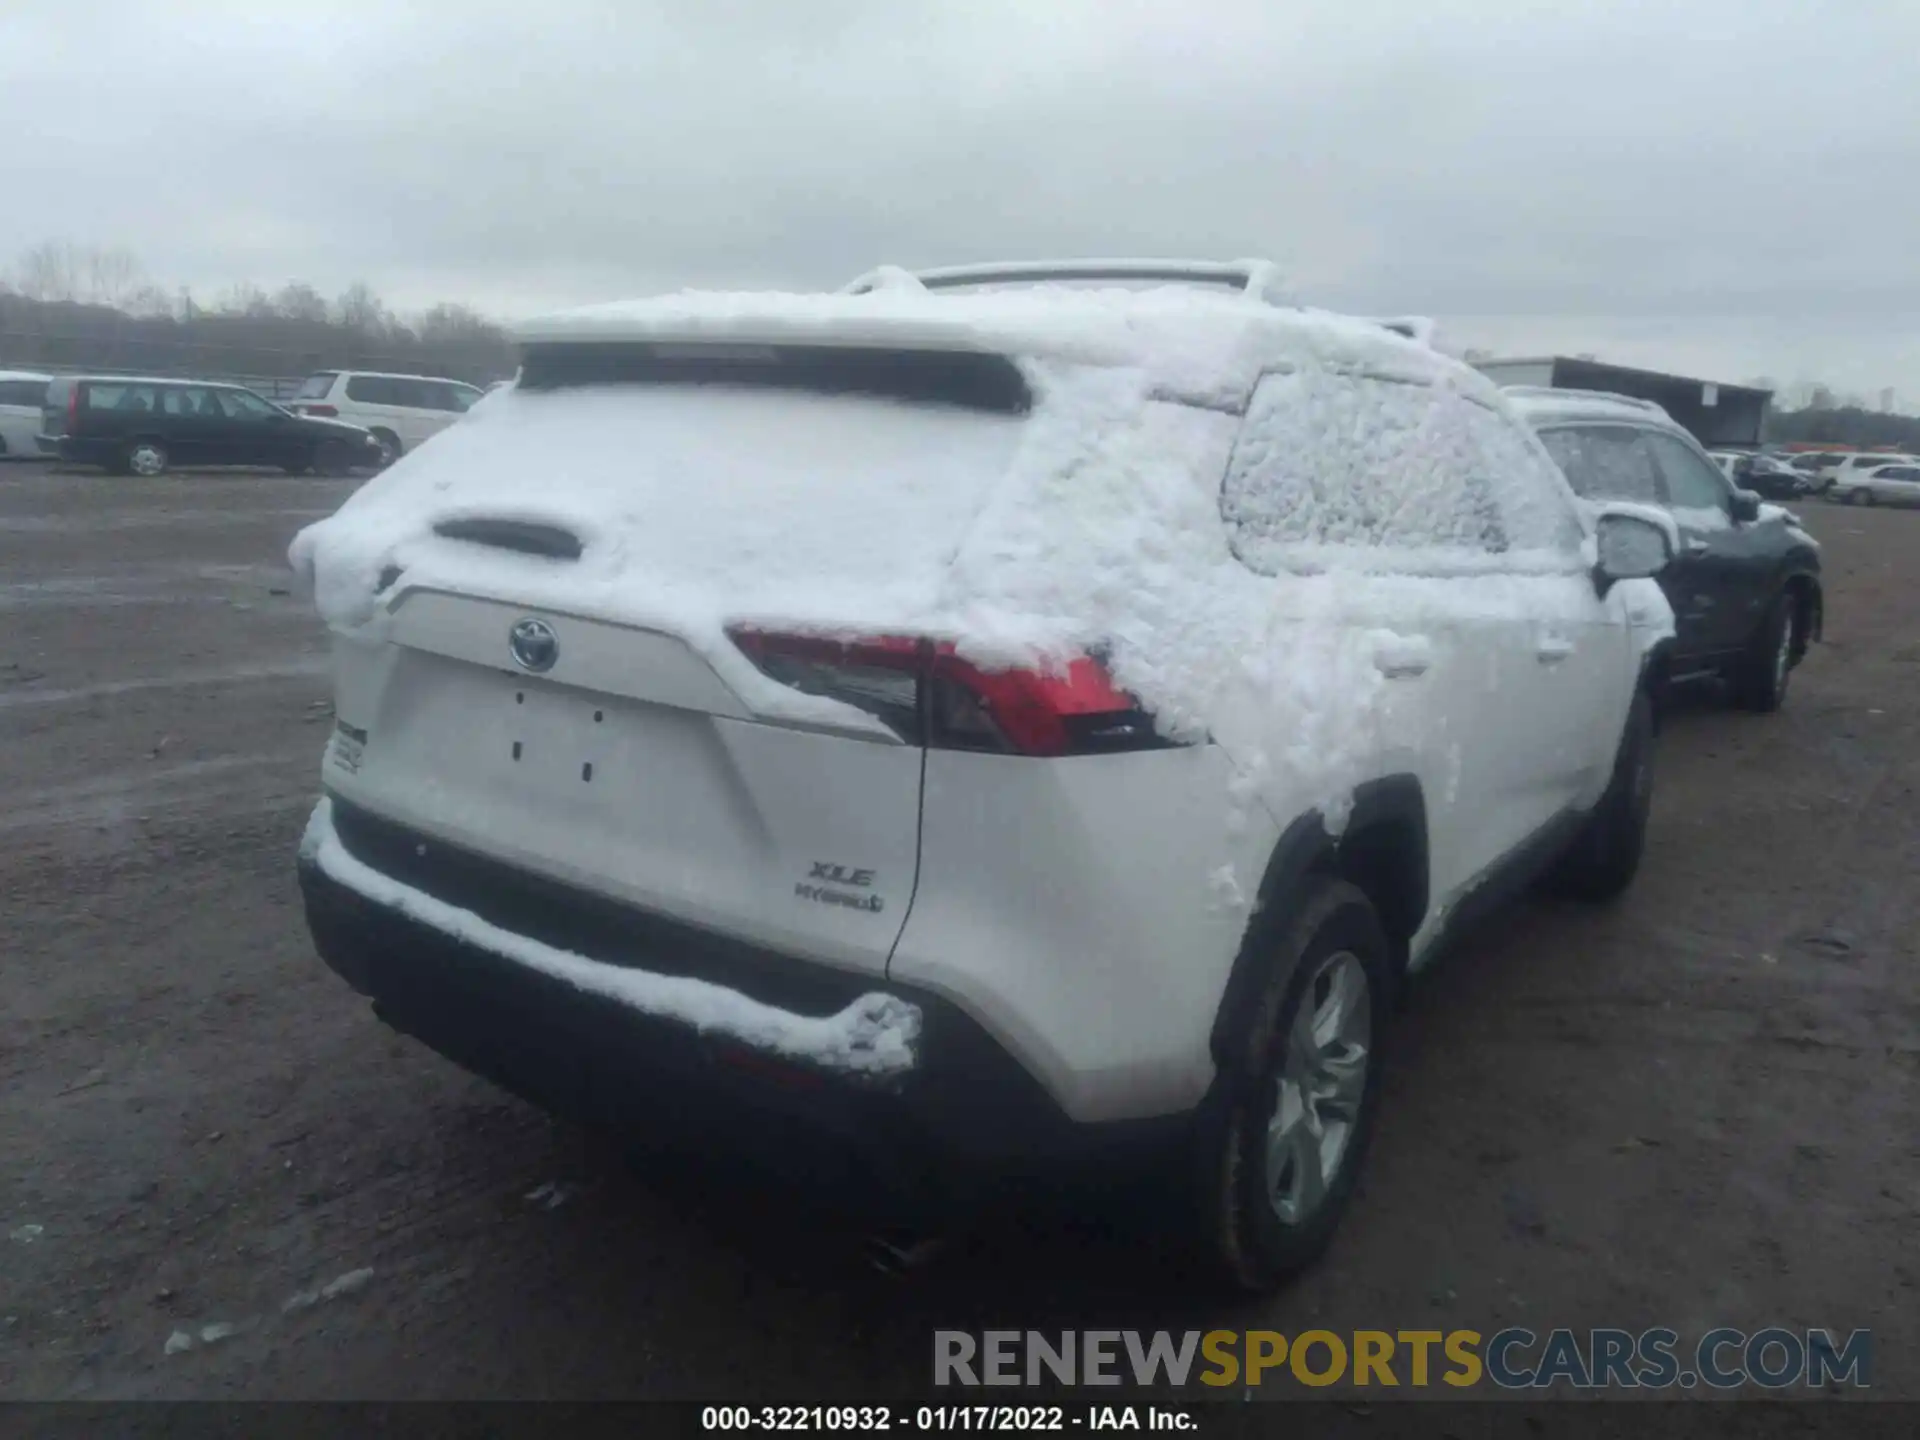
x=1191, y=341
x=23, y=375
x=1538, y=402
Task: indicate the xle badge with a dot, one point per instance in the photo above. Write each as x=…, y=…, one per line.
x=825, y=875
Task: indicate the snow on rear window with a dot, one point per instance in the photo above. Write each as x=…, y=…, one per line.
x=1332, y=464
x=315, y=387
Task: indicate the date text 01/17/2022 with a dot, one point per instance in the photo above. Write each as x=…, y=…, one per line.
x=924, y=1419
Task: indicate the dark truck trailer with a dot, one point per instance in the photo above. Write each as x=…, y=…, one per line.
x=1720, y=417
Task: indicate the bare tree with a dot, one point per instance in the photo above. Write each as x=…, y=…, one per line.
x=300, y=301
x=50, y=271
x=149, y=302
x=111, y=275
x=243, y=299
x=360, y=310
x=455, y=323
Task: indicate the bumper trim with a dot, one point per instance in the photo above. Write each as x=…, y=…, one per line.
x=874, y=1037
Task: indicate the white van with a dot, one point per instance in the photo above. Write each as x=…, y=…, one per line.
x=402, y=411
x=22, y=393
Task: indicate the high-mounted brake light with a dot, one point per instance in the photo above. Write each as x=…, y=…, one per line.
x=928, y=695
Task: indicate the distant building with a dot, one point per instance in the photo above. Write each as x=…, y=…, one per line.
x=1822, y=398
x=1886, y=401
x=1716, y=414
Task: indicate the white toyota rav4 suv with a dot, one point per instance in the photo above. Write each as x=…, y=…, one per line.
x=972, y=729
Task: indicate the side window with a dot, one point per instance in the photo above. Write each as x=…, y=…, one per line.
x=239, y=405
x=461, y=397
x=123, y=399
x=369, y=390
x=26, y=393
x=1692, y=484
x=1328, y=465
x=1533, y=503
x=191, y=403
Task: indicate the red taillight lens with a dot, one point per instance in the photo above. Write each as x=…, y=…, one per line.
x=328, y=411
x=73, y=409
x=928, y=695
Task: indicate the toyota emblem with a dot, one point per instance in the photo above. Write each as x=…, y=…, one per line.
x=533, y=645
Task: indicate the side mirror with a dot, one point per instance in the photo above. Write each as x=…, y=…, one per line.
x=1631, y=543
x=1746, y=507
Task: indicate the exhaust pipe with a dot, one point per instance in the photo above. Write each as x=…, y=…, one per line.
x=901, y=1255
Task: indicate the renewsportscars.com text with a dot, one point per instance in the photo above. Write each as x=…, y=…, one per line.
x=1511, y=1359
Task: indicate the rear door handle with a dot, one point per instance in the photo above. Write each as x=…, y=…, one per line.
x=1695, y=547
x=1553, y=650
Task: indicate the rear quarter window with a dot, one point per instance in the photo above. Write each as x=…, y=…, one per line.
x=29, y=394
x=1338, y=469
x=374, y=390
x=316, y=387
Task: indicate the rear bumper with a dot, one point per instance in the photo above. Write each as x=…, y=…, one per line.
x=956, y=1125
x=77, y=452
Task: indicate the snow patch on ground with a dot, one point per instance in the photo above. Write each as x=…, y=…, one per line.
x=875, y=1035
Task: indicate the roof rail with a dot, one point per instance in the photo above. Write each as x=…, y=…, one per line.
x=1259, y=279
x=1559, y=392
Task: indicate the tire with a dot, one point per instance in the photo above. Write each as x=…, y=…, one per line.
x=330, y=457
x=1605, y=856
x=390, y=447
x=1257, y=1220
x=145, y=458
x=1760, y=679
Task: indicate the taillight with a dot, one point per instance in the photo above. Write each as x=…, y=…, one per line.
x=73, y=409
x=929, y=696
x=327, y=411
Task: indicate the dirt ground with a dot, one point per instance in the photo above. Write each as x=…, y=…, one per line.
x=1696, y=1109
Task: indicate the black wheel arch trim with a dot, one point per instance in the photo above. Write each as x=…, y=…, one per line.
x=1393, y=805
x=1816, y=600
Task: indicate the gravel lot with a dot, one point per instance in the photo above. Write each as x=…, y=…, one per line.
x=1696, y=1109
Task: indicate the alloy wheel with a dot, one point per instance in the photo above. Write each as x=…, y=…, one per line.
x=1320, y=1088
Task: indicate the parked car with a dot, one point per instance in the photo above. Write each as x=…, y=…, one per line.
x=1771, y=477
x=22, y=394
x=1897, y=484
x=401, y=411
x=144, y=426
x=1837, y=477
x=972, y=737
x=1746, y=588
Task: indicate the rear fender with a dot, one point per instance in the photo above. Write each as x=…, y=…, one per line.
x=1391, y=806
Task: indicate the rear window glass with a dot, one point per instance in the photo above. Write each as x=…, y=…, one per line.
x=315, y=387
x=967, y=379
x=30, y=393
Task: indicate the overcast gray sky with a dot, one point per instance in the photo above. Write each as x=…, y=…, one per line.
x=1731, y=186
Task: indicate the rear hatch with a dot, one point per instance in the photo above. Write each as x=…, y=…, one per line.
x=311, y=397
x=768, y=788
